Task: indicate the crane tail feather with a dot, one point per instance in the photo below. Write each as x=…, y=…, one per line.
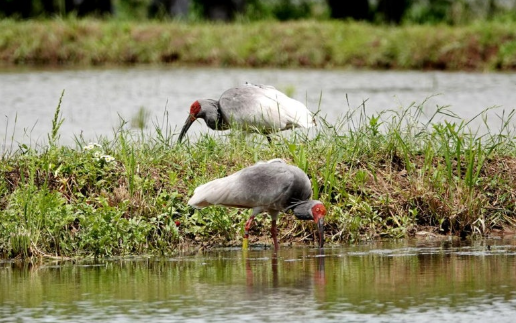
x=217, y=192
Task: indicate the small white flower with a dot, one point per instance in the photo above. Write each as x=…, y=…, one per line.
x=107, y=158
x=96, y=154
x=91, y=146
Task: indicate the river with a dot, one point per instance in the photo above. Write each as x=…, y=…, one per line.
x=96, y=100
x=390, y=281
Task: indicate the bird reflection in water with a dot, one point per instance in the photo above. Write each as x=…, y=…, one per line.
x=320, y=277
x=259, y=282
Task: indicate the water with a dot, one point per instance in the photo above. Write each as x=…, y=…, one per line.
x=404, y=281
x=381, y=282
x=96, y=100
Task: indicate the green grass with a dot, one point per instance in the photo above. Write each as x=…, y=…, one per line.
x=392, y=174
x=310, y=43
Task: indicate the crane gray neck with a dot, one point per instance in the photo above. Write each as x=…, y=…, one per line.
x=303, y=210
x=210, y=112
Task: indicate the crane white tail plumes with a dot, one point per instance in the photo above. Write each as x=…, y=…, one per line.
x=288, y=112
x=275, y=160
x=212, y=193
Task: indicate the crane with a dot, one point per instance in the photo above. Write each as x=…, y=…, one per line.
x=252, y=108
x=273, y=187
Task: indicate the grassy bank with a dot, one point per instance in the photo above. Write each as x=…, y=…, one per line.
x=317, y=44
x=387, y=175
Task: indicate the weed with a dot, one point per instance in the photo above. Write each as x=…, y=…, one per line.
x=480, y=46
x=384, y=175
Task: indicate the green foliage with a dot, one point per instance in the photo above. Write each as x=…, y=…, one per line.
x=388, y=174
x=53, y=137
x=414, y=11
x=107, y=230
x=307, y=43
x=286, y=10
x=433, y=11
x=36, y=219
x=140, y=119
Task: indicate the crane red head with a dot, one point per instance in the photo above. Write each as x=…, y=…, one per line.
x=318, y=213
x=195, y=108
x=311, y=210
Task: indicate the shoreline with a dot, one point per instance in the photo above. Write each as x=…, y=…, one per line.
x=441, y=179
x=409, y=178
x=481, y=46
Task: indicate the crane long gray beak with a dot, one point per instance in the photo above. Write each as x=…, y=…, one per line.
x=186, y=126
x=320, y=229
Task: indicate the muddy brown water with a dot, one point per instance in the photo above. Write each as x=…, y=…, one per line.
x=96, y=100
x=405, y=281
x=391, y=281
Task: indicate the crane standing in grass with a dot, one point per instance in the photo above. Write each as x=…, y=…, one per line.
x=272, y=187
x=253, y=108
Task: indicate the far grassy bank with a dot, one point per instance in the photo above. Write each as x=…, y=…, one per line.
x=388, y=175
x=313, y=44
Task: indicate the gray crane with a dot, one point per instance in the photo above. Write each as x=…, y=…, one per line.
x=252, y=108
x=272, y=186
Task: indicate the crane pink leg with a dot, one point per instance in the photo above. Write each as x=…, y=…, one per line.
x=274, y=232
x=247, y=227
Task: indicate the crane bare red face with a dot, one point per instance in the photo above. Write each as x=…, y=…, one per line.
x=318, y=211
x=194, y=109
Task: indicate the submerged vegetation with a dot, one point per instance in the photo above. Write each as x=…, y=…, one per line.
x=394, y=174
x=483, y=45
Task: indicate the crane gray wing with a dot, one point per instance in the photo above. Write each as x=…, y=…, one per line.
x=263, y=109
x=263, y=86
x=270, y=185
